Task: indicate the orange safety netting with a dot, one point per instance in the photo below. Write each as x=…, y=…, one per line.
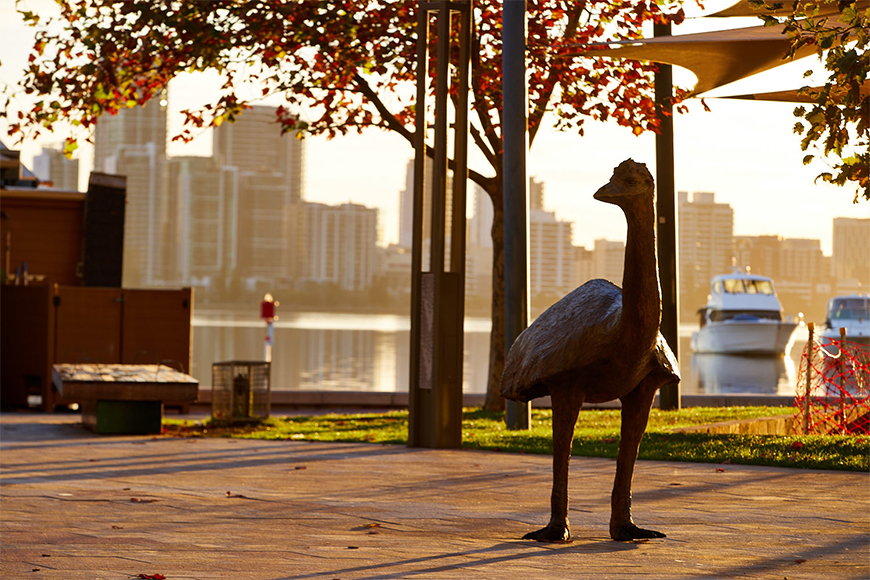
x=833, y=390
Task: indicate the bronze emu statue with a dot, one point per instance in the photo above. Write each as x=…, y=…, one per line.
x=597, y=344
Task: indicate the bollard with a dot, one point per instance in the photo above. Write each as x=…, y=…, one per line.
x=811, y=328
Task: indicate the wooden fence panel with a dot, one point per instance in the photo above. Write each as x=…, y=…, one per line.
x=88, y=323
x=156, y=328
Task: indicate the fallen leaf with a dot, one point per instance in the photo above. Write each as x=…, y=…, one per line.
x=353, y=547
x=800, y=561
x=151, y=576
x=300, y=467
x=46, y=555
x=117, y=527
x=675, y=484
x=236, y=495
x=719, y=470
x=137, y=500
x=373, y=525
x=35, y=570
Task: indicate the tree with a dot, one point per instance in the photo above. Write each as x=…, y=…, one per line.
x=840, y=110
x=340, y=65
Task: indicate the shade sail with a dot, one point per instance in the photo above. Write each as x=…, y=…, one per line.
x=792, y=96
x=743, y=8
x=716, y=58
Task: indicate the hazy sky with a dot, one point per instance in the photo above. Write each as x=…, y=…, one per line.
x=743, y=151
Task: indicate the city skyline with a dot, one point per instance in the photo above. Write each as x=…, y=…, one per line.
x=744, y=151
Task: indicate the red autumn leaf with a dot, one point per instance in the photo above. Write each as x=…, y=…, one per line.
x=151, y=576
x=348, y=69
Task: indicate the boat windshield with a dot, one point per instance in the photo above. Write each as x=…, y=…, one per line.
x=742, y=286
x=849, y=309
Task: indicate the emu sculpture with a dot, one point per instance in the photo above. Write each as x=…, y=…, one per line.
x=597, y=344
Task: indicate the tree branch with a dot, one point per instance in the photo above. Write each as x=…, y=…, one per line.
x=386, y=115
x=552, y=79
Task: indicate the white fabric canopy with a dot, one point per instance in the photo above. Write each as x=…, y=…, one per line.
x=743, y=8
x=716, y=58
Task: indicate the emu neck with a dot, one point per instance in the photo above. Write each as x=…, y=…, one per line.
x=641, y=295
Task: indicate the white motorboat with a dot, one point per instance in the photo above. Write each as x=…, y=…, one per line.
x=851, y=312
x=743, y=316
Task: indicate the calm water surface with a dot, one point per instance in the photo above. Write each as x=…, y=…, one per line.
x=370, y=352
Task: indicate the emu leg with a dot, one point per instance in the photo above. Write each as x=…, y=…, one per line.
x=636, y=406
x=566, y=407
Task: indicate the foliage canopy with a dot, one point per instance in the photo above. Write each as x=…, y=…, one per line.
x=837, y=123
x=338, y=66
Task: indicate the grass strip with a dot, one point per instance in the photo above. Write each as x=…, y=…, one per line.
x=596, y=435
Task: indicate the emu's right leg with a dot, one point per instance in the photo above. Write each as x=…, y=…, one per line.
x=566, y=407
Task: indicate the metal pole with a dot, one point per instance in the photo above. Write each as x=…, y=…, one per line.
x=841, y=365
x=515, y=187
x=417, y=419
x=811, y=328
x=666, y=235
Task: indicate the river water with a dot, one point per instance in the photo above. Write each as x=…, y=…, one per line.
x=370, y=352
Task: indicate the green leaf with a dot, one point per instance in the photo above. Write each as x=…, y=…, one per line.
x=69, y=146
x=849, y=14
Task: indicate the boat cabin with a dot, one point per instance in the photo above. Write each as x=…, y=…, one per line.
x=740, y=297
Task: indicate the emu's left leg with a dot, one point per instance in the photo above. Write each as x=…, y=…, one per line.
x=636, y=406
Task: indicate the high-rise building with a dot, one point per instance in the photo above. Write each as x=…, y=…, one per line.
x=758, y=254
x=406, y=205
x=52, y=166
x=133, y=143
x=480, y=226
x=254, y=144
x=551, y=259
x=796, y=265
x=270, y=170
x=536, y=194
x=801, y=259
x=339, y=244
x=850, y=258
x=584, y=265
x=608, y=258
x=706, y=234
x=203, y=236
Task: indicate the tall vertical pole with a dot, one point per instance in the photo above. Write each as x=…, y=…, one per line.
x=808, y=390
x=516, y=200
x=666, y=234
x=418, y=421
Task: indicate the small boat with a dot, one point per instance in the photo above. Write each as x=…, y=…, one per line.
x=851, y=312
x=743, y=316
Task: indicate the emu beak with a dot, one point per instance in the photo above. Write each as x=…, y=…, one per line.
x=606, y=193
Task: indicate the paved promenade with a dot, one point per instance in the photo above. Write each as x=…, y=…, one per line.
x=74, y=505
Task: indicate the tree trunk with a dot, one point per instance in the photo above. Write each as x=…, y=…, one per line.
x=494, y=401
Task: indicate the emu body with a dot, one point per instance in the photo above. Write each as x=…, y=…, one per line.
x=598, y=344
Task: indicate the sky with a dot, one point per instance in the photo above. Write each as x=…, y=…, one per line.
x=743, y=151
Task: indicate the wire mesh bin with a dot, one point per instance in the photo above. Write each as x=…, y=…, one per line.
x=240, y=391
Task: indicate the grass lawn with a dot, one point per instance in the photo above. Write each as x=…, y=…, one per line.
x=596, y=435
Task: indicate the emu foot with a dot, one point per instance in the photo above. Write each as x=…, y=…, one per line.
x=629, y=531
x=555, y=533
